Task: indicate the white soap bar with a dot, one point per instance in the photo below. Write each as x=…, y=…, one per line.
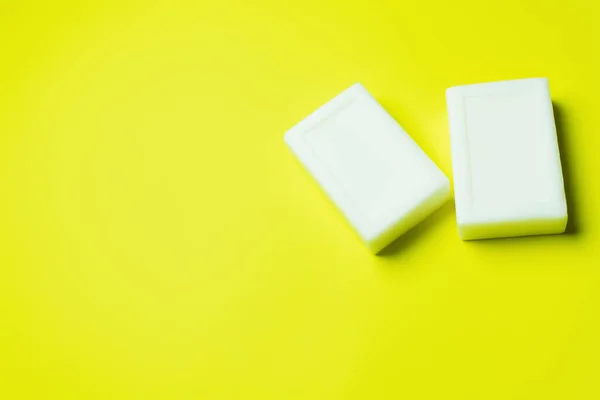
x=507, y=173
x=376, y=175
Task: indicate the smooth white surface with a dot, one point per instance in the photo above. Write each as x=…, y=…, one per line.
x=370, y=168
x=506, y=163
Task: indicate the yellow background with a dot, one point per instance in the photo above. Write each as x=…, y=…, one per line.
x=158, y=240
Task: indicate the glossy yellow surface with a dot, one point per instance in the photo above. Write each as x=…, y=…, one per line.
x=158, y=241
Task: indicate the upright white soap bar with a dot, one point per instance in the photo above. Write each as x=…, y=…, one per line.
x=507, y=173
x=376, y=175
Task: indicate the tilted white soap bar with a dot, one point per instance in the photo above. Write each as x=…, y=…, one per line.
x=507, y=173
x=376, y=175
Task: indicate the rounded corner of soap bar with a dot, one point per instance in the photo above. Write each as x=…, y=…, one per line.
x=376, y=248
x=540, y=83
x=288, y=137
x=463, y=234
x=563, y=222
x=452, y=92
x=377, y=245
x=443, y=188
x=446, y=183
x=541, y=80
x=354, y=90
x=357, y=86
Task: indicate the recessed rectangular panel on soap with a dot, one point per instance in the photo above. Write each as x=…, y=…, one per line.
x=377, y=176
x=506, y=162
